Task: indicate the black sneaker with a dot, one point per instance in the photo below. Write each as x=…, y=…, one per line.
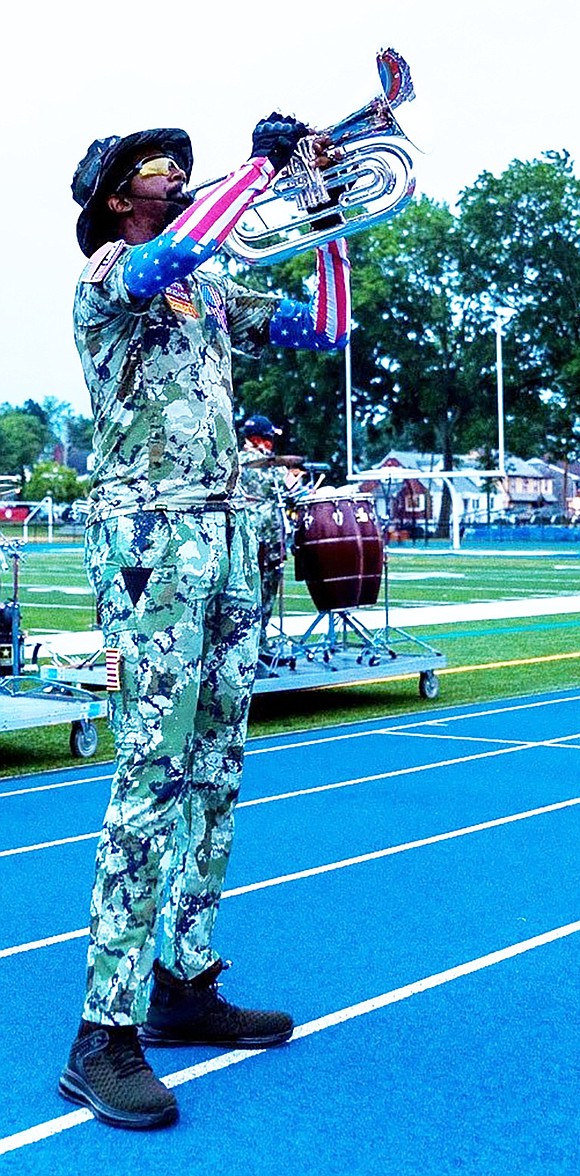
x=193, y=1012
x=107, y=1072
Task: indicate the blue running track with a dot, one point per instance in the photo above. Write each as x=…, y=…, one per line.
x=407, y=888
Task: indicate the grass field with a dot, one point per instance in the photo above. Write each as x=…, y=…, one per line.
x=485, y=659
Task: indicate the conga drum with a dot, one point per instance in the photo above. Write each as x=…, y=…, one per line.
x=328, y=551
x=373, y=548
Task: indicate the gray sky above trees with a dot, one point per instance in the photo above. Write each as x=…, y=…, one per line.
x=495, y=80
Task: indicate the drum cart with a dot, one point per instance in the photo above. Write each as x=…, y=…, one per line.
x=27, y=701
x=338, y=650
x=344, y=563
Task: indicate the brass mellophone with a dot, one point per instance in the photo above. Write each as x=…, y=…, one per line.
x=371, y=180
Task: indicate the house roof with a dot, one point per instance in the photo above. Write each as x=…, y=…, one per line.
x=520, y=468
x=467, y=486
x=544, y=469
x=412, y=459
x=556, y=470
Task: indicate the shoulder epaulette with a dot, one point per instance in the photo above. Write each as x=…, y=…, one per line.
x=102, y=262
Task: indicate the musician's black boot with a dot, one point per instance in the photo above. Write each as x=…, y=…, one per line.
x=193, y=1012
x=107, y=1072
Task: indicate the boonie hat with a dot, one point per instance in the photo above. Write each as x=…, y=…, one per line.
x=103, y=167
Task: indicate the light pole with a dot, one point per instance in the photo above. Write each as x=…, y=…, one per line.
x=503, y=314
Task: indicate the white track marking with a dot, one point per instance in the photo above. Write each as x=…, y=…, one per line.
x=377, y=854
x=57, y=784
x=443, y=736
x=319, y=788
x=55, y=1126
x=315, y=742
x=397, y=772
x=47, y=844
x=46, y=1130
x=35, y=944
x=497, y=710
x=259, y=800
x=329, y=867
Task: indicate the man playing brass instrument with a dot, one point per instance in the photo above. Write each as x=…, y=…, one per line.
x=173, y=563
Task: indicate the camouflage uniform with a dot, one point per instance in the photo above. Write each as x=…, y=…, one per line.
x=172, y=559
x=261, y=485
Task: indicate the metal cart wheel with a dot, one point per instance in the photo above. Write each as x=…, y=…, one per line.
x=83, y=739
x=428, y=684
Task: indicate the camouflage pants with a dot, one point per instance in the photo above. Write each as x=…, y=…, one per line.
x=179, y=599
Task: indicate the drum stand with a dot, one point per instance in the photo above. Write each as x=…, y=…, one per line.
x=335, y=640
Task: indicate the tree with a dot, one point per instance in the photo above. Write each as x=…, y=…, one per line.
x=80, y=431
x=421, y=362
x=521, y=232
x=420, y=354
x=62, y=483
x=22, y=438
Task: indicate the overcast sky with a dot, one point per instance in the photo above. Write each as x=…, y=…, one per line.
x=495, y=80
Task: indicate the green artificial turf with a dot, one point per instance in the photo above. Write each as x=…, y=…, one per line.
x=53, y=596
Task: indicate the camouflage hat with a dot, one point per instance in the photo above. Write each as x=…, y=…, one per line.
x=260, y=426
x=102, y=168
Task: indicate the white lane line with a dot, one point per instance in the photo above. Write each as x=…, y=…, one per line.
x=392, y=730
x=47, y=844
x=35, y=944
x=391, y=850
x=51, y=787
x=443, y=736
x=259, y=800
x=315, y=742
x=53, y=1127
x=498, y=710
x=46, y=1130
x=329, y=867
x=318, y=788
x=556, y=741
x=397, y=772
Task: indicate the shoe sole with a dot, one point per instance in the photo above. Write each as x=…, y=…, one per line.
x=148, y=1036
x=73, y=1088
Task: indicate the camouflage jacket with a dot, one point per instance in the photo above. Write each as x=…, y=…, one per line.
x=159, y=376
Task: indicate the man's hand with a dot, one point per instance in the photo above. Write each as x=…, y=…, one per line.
x=326, y=155
x=276, y=137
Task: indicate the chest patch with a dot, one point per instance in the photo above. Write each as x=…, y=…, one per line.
x=215, y=306
x=179, y=299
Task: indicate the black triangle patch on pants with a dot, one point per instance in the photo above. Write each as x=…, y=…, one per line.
x=136, y=580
